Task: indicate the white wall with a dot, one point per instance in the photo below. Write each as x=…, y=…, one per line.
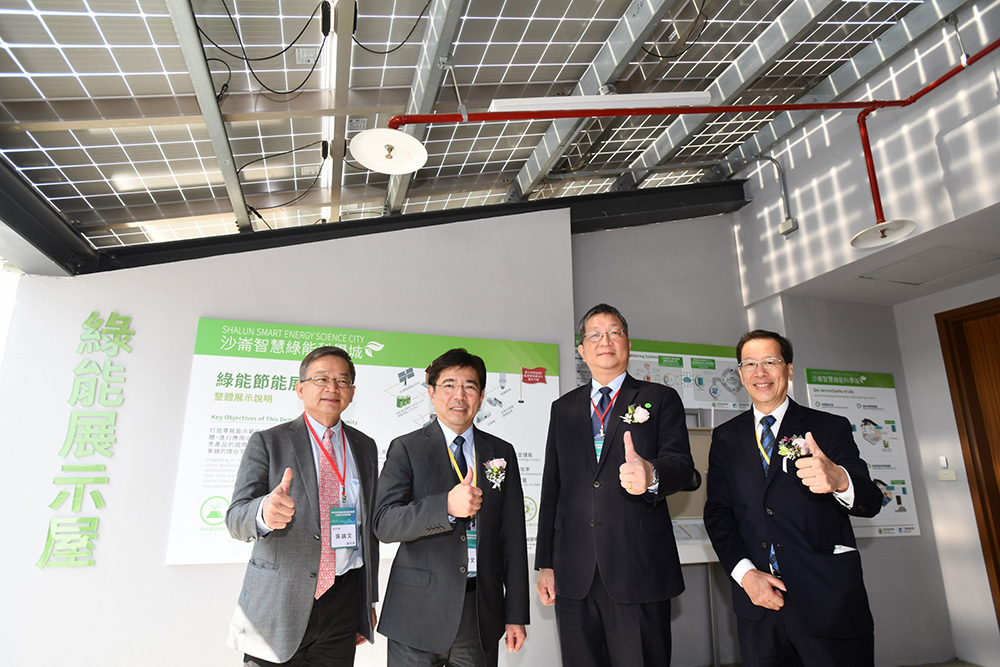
x=970, y=606
x=476, y=279
x=937, y=160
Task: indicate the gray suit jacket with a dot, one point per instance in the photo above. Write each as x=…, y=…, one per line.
x=280, y=580
x=426, y=591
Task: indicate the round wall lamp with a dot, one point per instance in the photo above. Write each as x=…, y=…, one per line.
x=388, y=151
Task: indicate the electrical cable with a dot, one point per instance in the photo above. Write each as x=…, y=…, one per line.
x=292, y=201
x=405, y=39
x=288, y=152
x=691, y=42
x=229, y=77
x=326, y=30
x=244, y=57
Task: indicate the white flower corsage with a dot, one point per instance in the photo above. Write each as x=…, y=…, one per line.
x=792, y=447
x=636, y=414
x=496, y=471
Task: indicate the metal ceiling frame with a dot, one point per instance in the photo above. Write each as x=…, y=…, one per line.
x=846, y=78
x=182, y=18
x=750, y=64
x=435, y=49
x=639, y=22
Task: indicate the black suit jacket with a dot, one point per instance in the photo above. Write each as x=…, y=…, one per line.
x=746, y=512
x=586, y=520
x=280, y=581
x=426, y=590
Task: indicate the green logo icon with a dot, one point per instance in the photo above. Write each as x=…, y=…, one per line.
x=530, y=508
x=213, y=510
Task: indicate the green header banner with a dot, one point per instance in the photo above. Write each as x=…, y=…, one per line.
x=691, y=349
x=260, y=340
x=849, y=379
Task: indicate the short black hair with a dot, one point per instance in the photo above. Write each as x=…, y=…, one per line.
x=326, y=351
x=764, y=334
x=461, y=358
x=602, y=309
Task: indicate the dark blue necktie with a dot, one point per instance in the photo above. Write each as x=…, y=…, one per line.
x=767, y=444
x=766, y=440
x=602, y=406
x=460, y=456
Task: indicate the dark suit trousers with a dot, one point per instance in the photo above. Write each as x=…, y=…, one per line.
x=467, y=651
x=599, y=632
x=777, y=640
x=331, y=634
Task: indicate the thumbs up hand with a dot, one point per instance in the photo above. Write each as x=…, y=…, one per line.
x=818, y=472
x=278, y=505
x=464, y=500
x=636, y=474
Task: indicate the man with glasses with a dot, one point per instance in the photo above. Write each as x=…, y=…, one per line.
x=450, y=494
x=617, y=447
x=782, y=482
x=304, y=495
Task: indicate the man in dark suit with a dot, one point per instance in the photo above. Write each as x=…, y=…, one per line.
x=450, y=494
x=617, y=447
x=779, y=521
x=308, y=597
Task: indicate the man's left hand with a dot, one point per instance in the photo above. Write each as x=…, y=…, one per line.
x=818, y=472
x=636, y=474
x=516, y=634
x=360, y=639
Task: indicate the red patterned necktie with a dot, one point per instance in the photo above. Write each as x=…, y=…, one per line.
x=329, y=496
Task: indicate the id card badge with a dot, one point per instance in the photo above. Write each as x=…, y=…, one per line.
x=598, y=446
x=343, y=527
x=470, y=540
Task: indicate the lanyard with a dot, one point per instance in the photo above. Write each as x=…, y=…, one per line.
x=333, y=462
x=454, y=464
x=761, y=447
x=602, y=415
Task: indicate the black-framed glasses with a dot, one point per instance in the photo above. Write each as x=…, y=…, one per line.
x=769, y=364
x=322, y=381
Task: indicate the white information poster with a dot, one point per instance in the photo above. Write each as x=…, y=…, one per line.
x=868, y=400
x=243, y=378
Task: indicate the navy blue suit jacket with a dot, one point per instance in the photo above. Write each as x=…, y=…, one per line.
x=747, y=511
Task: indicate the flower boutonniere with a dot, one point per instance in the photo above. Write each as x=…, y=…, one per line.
x=637, y=414
x=496, y=471
x=792, y=447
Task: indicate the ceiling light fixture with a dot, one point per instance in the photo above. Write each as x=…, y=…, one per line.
x=629, y=101
x=388, y=151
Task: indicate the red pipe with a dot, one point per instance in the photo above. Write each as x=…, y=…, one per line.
x=866, y=109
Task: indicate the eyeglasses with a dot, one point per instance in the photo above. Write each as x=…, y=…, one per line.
x=769, y=364
x=322, y=381
x=596, y=336
x=451, y=387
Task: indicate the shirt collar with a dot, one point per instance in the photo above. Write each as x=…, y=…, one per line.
x=449, y=435
x=319, y=429
x=778, y=414
x=615, y=385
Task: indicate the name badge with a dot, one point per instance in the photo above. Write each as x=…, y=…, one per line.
x=598, y=446
x=343, y=527
x=470, y=540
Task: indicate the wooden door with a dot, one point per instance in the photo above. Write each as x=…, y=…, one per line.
x=970, y=341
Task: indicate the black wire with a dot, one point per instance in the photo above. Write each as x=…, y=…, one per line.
x=261, y=159
x=691, y=42
x=229, y=77
x=405, y=39
x=292, y=201
x=236, y=30
x=248, y=60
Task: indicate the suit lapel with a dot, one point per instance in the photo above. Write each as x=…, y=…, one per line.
x=613, y=422
x=304, y=464
x=437, y=450
x=585, y=432
x=749, y=453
